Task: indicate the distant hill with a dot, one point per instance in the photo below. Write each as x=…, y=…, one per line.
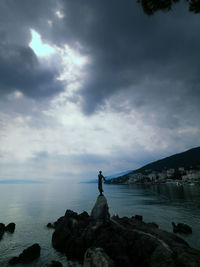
x=189, y=159
x=118, y=174
x=113, y=176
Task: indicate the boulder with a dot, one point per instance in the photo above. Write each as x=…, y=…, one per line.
x=2, y=230
x=10, y=227
x=27, y=256
x=2, y=227
x=100, y=212
x=95, y=257
x=181, y=228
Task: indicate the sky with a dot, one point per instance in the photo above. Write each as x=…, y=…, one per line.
x=90, y=85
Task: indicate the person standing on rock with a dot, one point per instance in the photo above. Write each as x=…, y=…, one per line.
x=100, y=177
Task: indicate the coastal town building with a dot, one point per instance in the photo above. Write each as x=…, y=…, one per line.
x=172, y=174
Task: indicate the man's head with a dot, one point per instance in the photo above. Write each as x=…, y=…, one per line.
x=100, y=172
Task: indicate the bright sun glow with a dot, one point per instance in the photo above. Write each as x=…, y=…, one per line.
x=59, y=14
x=38, y=46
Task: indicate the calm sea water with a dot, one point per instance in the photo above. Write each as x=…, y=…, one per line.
x=32, y=206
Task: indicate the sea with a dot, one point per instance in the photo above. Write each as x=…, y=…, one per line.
x=32, y=205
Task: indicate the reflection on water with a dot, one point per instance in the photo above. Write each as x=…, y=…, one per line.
x=173, y=192
x=32, y=206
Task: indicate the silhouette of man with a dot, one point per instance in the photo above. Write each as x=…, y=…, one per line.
x=100, y=177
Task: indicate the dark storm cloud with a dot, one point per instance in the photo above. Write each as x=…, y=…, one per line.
x=20, y=70
x=19, y=66
x=17, y=17
x=150, y=64
x=153, y=61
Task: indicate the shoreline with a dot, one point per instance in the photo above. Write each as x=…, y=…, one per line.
x=175, y=182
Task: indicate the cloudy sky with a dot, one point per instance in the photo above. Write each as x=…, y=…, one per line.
x=89, y=85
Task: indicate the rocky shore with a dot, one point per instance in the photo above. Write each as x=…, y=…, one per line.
x=101, y=240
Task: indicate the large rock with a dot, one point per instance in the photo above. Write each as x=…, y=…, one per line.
x=96, y=257
x=10, y=227
x=127, y=241
x=100, y=212
x=181, y=228
x=28, y=255
x=2, y=230
x=69, y=234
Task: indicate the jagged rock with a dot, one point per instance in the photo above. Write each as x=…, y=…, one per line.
x=28, y=255
x=55, y=264
x=127, y=241
x=2, y=230
x=67, y=235
x=96, y=257
x=138, y=217
x=10, y=227
x=100, y=211
x=181, y=228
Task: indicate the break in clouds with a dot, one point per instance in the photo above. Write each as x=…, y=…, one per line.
x=118, y=89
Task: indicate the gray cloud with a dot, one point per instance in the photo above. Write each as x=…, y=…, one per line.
x=17, y=17
x=20, y=70
x=126, y=48
x=19, y=66
x=152, y=61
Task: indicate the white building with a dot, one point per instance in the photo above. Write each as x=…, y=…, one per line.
x=191, y=175
x=170, y=172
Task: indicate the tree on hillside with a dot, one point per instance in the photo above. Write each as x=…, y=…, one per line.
x=151, y=6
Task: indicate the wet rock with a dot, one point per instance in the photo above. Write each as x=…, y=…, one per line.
x=2, y=227
x=181, y=228
x=50, y=225
x=2, y=230
x=127, y=241
x=10, y=227
x=28, y=255
x=95, y=257
x=55, y=264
